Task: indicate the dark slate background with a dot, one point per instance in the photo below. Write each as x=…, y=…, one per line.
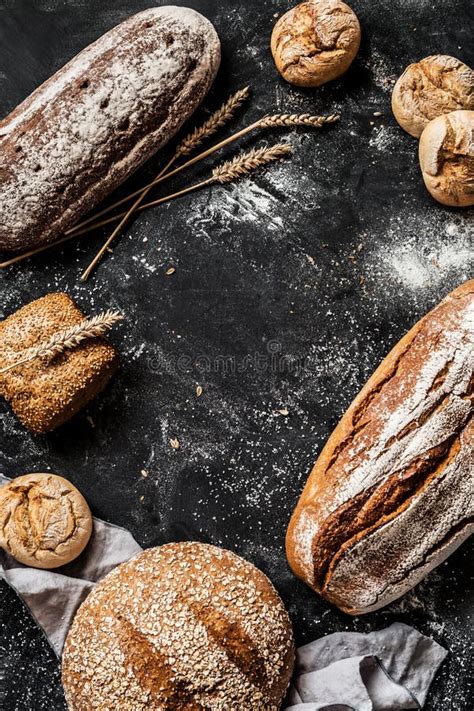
x=289, y=289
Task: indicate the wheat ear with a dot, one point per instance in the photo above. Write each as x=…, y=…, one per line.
x=218, y=119
x=67, y=338
x=290, y=120
x=245, y=163
x=269, y=121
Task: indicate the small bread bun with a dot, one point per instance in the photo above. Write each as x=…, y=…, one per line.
x=183, y=626
x=45, y=521
x=446, y=153
x=315, y=42
x=432, y=87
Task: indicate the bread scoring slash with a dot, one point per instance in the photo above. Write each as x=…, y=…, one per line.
x=390, y=496
x=93, y=123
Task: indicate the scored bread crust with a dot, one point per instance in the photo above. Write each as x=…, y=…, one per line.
x=46, y=392
x=432, y=87
x=446, y=154
x=95, y=121
x=45, y=521
x=388, y=498
x=315, y=42
x=182, y=626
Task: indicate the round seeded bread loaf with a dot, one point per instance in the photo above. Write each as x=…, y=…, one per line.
x=183, y=626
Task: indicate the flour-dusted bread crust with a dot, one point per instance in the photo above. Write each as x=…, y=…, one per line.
x=87, y=128
x=446, y=153
x=315, y=42
x=390, y=496
x=432, y=87
x=183, y=626
x=45, y=521
x=44, y=393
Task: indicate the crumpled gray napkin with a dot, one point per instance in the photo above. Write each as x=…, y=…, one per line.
x=388, y=670
x=53, y=596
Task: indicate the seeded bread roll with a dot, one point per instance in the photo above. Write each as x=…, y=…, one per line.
x=46, y=392
x=45, y=521
x=432, y=87
x=87, y=128
x=315, y=42
x=184, y=626
x=446, y=153
x=390, y=496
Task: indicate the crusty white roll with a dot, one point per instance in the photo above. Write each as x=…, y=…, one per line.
x=446, y=153
x=434, y=86
x=315, y=42
x=45, y=521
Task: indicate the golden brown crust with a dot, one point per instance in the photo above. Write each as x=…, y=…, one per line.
x=404, y=441
x=45, y=521
x=446, y=153
x=183, y=626
x=432, y=87
x=46, y=393
x=315, y=42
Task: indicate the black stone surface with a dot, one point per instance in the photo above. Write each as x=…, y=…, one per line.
x=289, y=289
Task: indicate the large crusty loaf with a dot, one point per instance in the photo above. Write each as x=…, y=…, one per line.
x=87, y=128
x=45, y=521
x=390, y=496
x=183, y=626
x=46, y=392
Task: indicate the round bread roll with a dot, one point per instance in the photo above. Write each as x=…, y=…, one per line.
x=315, y=42
x=183, y=626
x=432, y=87
x=446, y=153
x=45, y=521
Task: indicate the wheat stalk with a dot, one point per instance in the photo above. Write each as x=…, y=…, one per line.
x=218, y=119
x=268, y=121
x=245, y=163
x=67, y=338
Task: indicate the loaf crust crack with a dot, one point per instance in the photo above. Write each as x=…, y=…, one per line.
x=362, y=533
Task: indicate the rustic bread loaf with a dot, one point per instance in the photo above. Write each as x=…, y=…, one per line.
x=315, y=42
x=432, y=87
x=87, y=128
x=45, y=521
x=45, y=393
x=390, y=496
x=446, y=153
x=184, y=626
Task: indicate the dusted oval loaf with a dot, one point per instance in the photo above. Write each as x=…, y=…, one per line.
x=87, y=128
x=183, y=626
x=390, y=496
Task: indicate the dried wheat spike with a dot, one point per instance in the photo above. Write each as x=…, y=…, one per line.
x=243, y=164
x=288, y=120
x=218, y=119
